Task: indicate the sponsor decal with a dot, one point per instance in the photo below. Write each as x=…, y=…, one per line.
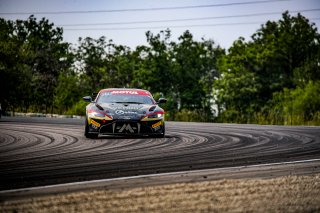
x=156, y=124
x=126, y=127
x=127, y=92
x=126, y=118
x=95, y=123
x=126, y=107
x=121, y=112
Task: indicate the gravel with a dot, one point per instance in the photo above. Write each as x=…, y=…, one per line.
x=283, y=194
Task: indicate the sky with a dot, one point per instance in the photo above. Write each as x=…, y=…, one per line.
x=126, y=21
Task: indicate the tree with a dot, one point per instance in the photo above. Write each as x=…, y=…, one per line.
x=49, y=56
x=283, y=47
x=67, y=91
x=33, y=56
x=183, y=72
x=15, y=74
x=282, y=54
x=194, y=71
x=236, y=89
x=92, y=65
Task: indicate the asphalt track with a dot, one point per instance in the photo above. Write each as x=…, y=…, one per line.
x=45, y=151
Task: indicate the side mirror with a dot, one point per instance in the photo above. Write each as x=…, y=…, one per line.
x=87, y=98
x=162, y=101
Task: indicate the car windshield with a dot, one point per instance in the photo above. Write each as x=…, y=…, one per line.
x=124, y=98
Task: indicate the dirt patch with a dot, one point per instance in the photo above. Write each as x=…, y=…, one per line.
x=285, y=194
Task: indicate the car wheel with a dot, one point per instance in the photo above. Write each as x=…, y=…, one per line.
x=162, y=134
x=86, y=132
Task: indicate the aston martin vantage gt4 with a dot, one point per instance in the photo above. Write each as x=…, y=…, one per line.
x=124, y=112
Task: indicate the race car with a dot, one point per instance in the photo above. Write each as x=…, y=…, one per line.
x=117, y=111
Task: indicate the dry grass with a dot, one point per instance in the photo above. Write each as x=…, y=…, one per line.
x=285, y=194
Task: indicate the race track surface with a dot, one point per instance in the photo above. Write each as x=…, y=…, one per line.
x=45, y=151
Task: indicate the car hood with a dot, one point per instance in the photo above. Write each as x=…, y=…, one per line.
x=128, y=111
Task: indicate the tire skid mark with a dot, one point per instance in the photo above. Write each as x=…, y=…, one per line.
x=33, y=154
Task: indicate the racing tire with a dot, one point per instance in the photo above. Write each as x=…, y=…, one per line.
x=86, y=132
x=161, y=135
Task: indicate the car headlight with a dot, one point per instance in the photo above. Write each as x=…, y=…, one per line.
x=156, y=115
x=95, y=114
x=99, y=115
x=153, y=116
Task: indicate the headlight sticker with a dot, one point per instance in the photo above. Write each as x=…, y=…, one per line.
x=156, y=124
x=95, y=123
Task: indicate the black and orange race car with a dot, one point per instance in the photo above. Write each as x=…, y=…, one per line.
x=120, y=111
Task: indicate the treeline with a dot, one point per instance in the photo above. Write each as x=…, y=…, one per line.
x=272, y=79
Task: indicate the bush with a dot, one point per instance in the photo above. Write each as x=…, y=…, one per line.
x=78, y=109
x=191, y=116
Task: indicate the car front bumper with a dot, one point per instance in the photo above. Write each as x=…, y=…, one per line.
x=126, y=127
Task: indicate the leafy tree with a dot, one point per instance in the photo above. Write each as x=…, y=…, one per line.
x=49, y=56
x=155, y=72
x=282, y=54
x=33, y=56
x=182, y=71
x=68, y=91
x=194, y=71
x=121, y=67
x=14, y=74
x=236, y=89
x=91, y=64
x=283, y=46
